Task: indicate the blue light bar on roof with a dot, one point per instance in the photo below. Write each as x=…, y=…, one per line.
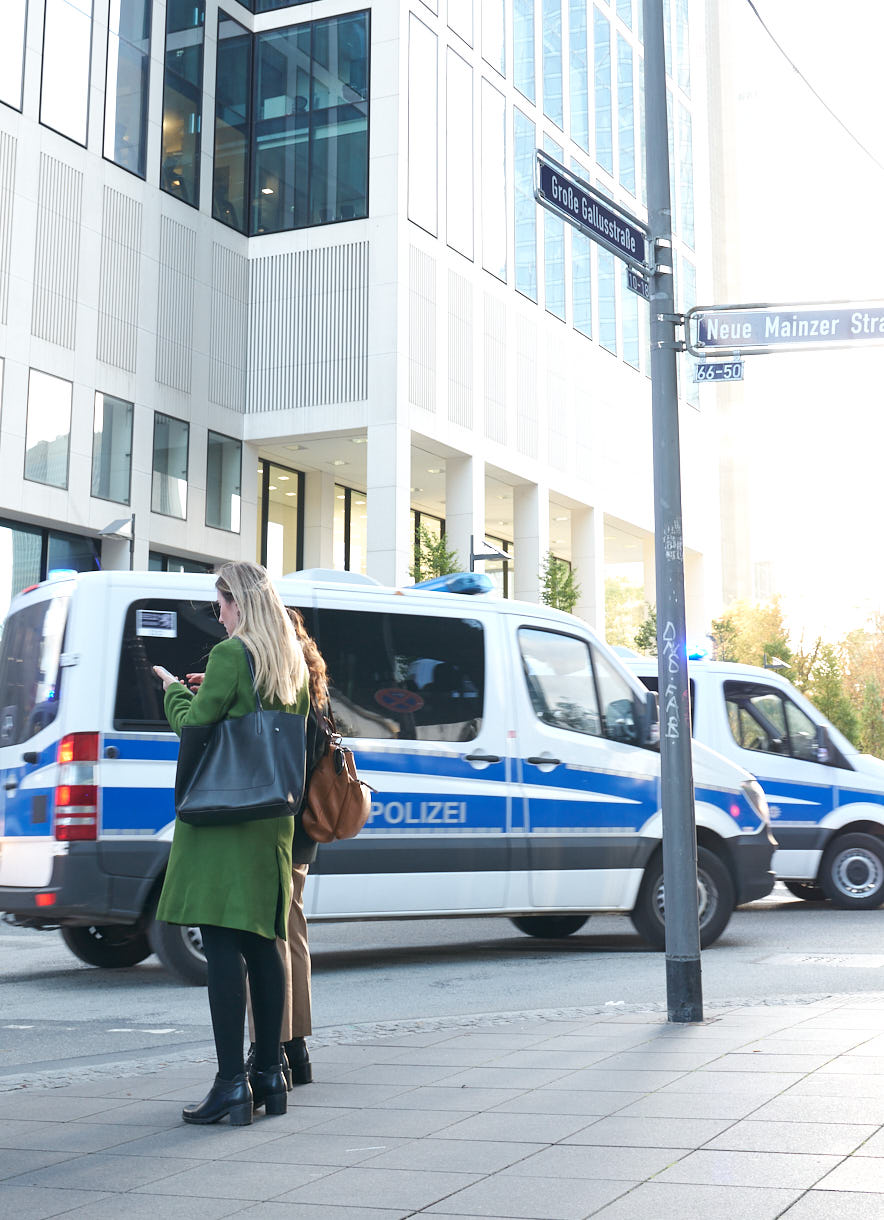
x=458, y=582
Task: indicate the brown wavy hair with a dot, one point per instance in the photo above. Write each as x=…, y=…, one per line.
x=314, y=658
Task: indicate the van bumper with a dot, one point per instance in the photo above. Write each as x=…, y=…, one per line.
x=92, y=883
x=752, y=856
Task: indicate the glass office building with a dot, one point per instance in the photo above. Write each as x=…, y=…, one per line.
x=274, y=283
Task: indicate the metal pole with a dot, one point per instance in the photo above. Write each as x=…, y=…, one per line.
x=683, y=984
x=132, y=544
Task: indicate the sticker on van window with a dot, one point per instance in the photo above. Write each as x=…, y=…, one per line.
x=394, y=699
x=156, y=622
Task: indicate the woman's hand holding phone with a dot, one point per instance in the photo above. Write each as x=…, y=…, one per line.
x=164, y=676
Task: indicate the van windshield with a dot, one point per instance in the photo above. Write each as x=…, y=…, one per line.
x=30, y=675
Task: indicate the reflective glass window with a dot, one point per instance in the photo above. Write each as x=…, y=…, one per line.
x=525, y=206
x=223, y=482
x=606, y=276
x=233, y=98
x=112, y=448
x=683, y=45
x=49, y=429
x=280, y=521
x=493, y=34
x=183, y=99
x=624, y=11
x=581, y=271
x=460, y=19
x=268, y=6
x=71, y=553
x=523, y=47
x=616, y=700
x=459, y=155
x=423, y=126
x=126, y=92
x=686, y=176
x=350, y=539
x=559, y=679
x=30, y=674
x=21, y=551
x=604, y=131
x=579, y=74
x=552, y=61
x=626, y=114
x=310, y=159
x=554, y=249
x=494, y=226
x=168, y=493
x=67, y=46
x=13, y=18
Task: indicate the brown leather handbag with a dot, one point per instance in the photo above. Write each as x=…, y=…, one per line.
x=337, y=802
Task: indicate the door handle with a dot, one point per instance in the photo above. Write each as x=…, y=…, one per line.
x=542, y=760
x=11, y=785
x=487, y=758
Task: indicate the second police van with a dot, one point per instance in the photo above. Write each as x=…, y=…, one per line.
x=513, y=756
x=826, y=798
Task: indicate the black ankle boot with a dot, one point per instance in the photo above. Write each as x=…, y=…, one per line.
x=299, y=1061
x=286, y=1070
x=233, y=1097
x=269, y=1089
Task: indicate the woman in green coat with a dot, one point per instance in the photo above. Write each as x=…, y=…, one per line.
x=235, y=881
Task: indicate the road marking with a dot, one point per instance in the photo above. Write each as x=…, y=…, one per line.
x=18, y=1027
x=862, y=961
x=141, y=1031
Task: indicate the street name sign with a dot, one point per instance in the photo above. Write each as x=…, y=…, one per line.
x=591, y=212
x=719, y=370
x=741, y=330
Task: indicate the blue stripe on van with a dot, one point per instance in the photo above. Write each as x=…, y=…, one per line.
x=138, y=810
x=132, y=750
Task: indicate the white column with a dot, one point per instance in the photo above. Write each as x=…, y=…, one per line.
x=465, y=507
x=531, y=538
x=390, y=541
x=319, y=519
x=650, y=570
x=588, y=559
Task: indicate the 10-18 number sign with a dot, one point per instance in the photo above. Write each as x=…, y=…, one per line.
x=719, y=370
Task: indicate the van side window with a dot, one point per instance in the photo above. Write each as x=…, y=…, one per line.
x=617, y=700
x=410, y=677
x=30, y=675
x=766, y=720
x=558, y=674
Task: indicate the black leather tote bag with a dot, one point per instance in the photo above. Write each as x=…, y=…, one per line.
x=242, y=769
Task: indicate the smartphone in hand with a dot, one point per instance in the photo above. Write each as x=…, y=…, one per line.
x=163, y=674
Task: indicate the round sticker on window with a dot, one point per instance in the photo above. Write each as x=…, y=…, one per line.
x=396, y=700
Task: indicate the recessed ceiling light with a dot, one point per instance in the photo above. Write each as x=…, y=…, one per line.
x=560, y=518
x=341, y=497
x=296, y=448
x=503, y=497
x=340, y=462
x=284, y=478
x=291, y=493
x=266, y=190
x=272, y=487
x=434, y=470
x=358, y=440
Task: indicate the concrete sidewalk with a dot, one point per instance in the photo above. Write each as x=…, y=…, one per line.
x=759, y=1112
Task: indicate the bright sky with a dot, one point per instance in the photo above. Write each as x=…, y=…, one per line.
x=809, y=229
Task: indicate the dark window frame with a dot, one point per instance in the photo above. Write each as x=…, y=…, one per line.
x=21, y=91
x=264, y=509
x=145, y=112
x=200, y=89
x=153, y=469
x=210, y=432
x=109, y=499
x=48, y=126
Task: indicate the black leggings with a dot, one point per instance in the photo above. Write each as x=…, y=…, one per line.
x=231, y=952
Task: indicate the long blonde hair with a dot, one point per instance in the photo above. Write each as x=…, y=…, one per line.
x=266, y=629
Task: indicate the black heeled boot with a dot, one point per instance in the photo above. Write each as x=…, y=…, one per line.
x=299, y=1061
x=286, y=1070
x=233, y=1097
x=269, y=1089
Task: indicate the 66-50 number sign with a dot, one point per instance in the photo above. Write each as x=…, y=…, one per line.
x=719, y=370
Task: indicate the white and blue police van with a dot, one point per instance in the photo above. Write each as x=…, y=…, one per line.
x=826, y=798
x=514, y=760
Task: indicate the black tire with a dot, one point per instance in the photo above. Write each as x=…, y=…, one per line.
x=808, y=890
x=180, y=950
x=852, y=872
x=111, y=946
x=551, y=927
x=716, y=894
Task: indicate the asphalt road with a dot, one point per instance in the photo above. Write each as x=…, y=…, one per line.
x=55, y=1011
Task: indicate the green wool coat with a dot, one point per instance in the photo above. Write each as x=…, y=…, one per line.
x=229, y=876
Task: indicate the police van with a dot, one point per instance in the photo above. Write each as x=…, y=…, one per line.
x=826, y=799
x=513, y=757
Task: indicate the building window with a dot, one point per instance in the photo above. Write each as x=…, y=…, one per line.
x=686, y=176
x=604, y=131
x=626, y=114
x=67, y=48
x=128, y=76
x=233, y=95
x=459, y=156
x=552, y=61
x=223, y=482
x=12, y=51
x=554, y=249
x=607, y=282
x=350, y=533
x=157, y=561
x=579, y=75
x=494, y=227
x=624, y=11
x=112, y=448
x=683, y=45
x=500, y=571
x=310, y=163
x=168, y=492
x=526, y=208
x=423, y=126
x=29, y=554
x=460, y=19
x=281, y=519
x=493, y=34
x=183, y=99
x=49, y=429
x=523, y=47
x=581, y=271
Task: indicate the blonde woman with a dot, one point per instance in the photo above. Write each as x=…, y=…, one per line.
x=235, y=882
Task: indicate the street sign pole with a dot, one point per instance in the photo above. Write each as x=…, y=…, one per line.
x=683, y=982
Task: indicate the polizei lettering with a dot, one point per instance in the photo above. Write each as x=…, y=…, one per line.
x=418, y=813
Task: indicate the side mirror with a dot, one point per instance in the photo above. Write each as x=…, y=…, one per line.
x=647, y=719
x=823, y=744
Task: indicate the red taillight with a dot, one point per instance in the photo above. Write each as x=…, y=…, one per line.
x=44, y=900
x=76, y=793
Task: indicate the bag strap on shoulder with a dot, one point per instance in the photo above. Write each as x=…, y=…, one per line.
x=258, y=707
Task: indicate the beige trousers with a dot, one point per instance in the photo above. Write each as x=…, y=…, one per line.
x=295, y=954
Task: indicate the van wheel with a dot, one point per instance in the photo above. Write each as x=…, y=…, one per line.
x=715, y=893
x=852, y=872
x=113, y=946
x=807, y=890
x=551, y=927
x=180, y=950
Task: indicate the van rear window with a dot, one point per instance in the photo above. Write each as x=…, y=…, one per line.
x=30, y=675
